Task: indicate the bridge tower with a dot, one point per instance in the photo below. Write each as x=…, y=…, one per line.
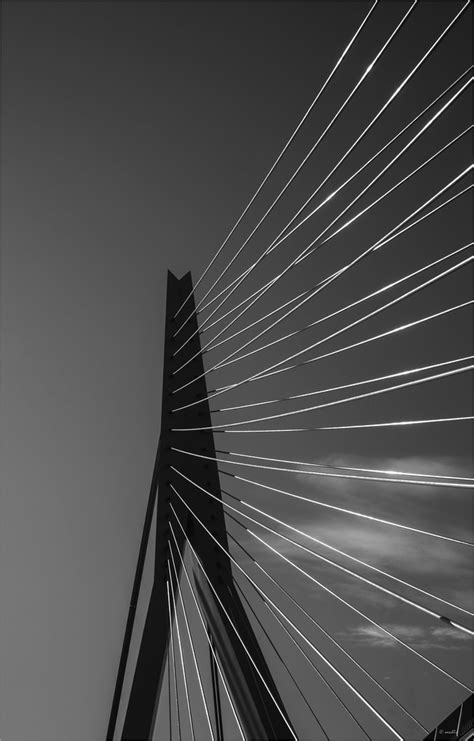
x=258, y=715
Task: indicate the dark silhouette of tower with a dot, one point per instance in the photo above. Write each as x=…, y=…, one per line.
x=258, y=714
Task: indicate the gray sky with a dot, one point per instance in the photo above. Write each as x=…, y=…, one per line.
x=133, y=136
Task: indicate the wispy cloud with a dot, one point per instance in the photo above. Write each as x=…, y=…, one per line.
x=394, y=497
x=443, y=637
x=439, y=466
x=384, y=546
x=441, y=567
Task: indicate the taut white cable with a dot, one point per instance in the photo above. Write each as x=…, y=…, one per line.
x=345, y=511
x=328, y=635
x=374, y=338
x=231, y=623
x=341, y=553
x=321, y=90
x=333, y=314
x=308, y=290
x=304, y=253
x=342, y=387
x=349, y=468
x=340, y=187
x=173, y=657
x=285, y=665
x=398, y=423
x=170, y=717
x=327, y=404
x=359, y=612
x=400, y=328
x=328, y=663
x=313, y=245
x=365, y=317
x=191, y=643
x=378, y=479
x=402, y=151
x=211, y=647
x=395, y=595
x=307, y=658
x=334, y=277
x=311, y=151
x=365, y=298
x=362, y=135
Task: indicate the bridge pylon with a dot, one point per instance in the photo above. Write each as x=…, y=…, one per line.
x=249, y=688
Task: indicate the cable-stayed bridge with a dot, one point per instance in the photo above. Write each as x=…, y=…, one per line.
x=306, y=526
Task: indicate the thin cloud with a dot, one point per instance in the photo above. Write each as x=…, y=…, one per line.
x=444, y=569
x=439, y=466
x=440, y=567
x=381, y=547
x=444, y=511
x=387, y=495
x=444, y=638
